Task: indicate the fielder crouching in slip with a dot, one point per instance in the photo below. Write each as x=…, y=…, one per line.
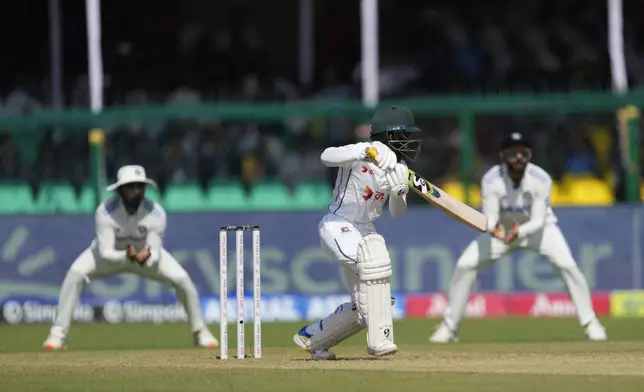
x=516, y=202
x=347, y=233
x=129, y=232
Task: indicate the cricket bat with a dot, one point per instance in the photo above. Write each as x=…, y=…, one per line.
x=443, y=200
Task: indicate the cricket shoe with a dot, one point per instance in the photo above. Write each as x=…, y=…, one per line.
x=302, y=339
x=387, y=349
x=54, y=343
x=443, y=335
x=595, y=331
x=203, y=338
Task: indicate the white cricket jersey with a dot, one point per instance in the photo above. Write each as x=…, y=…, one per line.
x=361, y=189
x=526, y=202
x=115, y=228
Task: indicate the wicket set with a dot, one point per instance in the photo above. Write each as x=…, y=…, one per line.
x=239, y=275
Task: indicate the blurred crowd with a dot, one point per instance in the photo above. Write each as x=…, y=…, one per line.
x=427, y=48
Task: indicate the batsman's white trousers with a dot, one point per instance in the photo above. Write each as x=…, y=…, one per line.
x=339, y=239
x=548, y=242
x=88, y=267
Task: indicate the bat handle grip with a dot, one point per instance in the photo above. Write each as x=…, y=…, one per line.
x=371, y=152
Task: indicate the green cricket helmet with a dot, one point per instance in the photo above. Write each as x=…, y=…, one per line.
x=395, y=126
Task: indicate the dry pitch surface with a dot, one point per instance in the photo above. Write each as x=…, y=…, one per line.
x=495, y=355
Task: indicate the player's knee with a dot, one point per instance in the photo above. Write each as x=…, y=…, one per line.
x=343, y=252
x=373, y=264
x=353, y=306
x=361, y=304
x=569, y=266
x=75, y=276
x=469, y=259
x=184, y=283
x=563, y=261
x=466, y=263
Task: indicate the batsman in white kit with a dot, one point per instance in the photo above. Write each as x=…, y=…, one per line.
x=129, y=232
x=347, y=233
x=516, y=202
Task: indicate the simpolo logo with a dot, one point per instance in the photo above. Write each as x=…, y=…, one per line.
x=32, y=312
x=12, y=312
x=115, y=312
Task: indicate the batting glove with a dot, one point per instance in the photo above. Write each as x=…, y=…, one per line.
x=386, y=159
x=397, y=179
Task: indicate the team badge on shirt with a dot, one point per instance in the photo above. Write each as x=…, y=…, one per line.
x=369, y=193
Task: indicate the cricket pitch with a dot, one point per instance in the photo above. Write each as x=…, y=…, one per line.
x=157, y=358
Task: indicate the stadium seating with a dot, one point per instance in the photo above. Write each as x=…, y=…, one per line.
x=268, y=196
x=184, y=198
x=86, y=202
x=226, y=196
x=559, y=196
x=312, y=195
x=16, y=199
x=56, y=197
x=573, y=191
x=588, y=191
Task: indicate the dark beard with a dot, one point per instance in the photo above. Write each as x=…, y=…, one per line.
x=133, y=204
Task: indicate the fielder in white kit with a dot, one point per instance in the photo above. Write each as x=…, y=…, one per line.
x=516, y=201
x=129, y=232
x=347, y=233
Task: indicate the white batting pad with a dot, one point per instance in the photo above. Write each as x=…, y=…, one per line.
x=337, y=327
x=374, y=299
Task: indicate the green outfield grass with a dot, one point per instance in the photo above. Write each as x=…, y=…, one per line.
x=495, y=355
